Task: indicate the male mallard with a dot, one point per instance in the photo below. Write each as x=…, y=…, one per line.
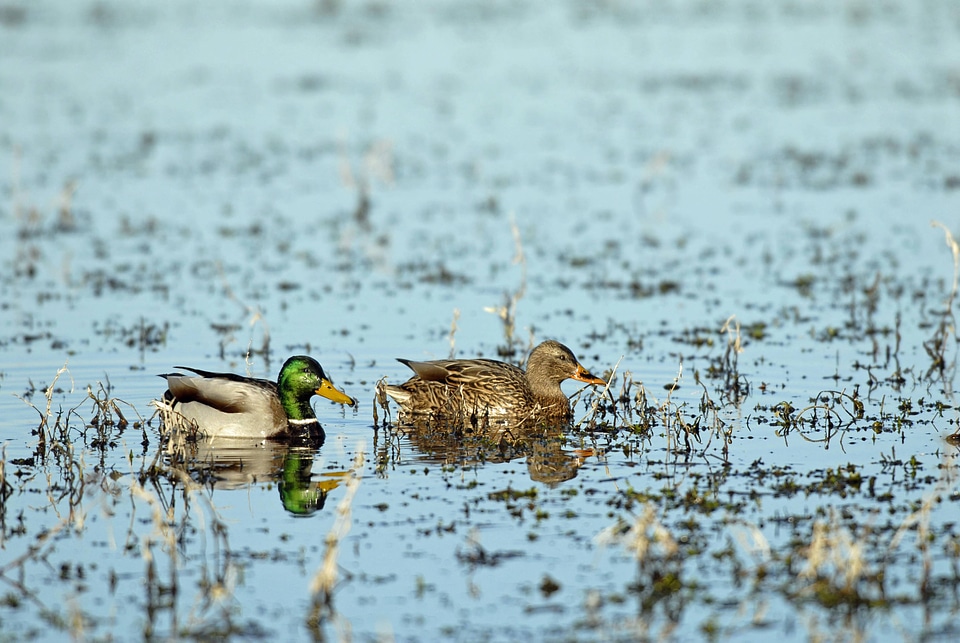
x=486, y=388
x=232, y=406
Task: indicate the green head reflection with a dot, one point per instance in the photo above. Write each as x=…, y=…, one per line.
x=299, y=493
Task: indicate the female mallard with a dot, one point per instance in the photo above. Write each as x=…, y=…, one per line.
x=232, y=406
x=486, y=388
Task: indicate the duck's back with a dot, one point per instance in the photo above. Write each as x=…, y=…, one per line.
x=225, y=407
x=463, y=387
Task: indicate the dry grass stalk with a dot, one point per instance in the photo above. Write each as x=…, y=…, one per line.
x=453, y=332
x=255, y=317
x=920, y=519
x=646, y=413
x=647, y=538
x=67, y=483
x=734, y=345
x=107, y=414
x=216, y=589
x=377, y=162
x=16, y=188
x=945, y=333
x=622, y=400
x=734, y=389
x=380, y=400
x=595, y=407
x=955, y=251
x=66, y=220
x=836, y=564
x=752, y=540
x=45, y=430
x=508, y=311
x=30, y=219
x=6, y=490
x=659, y=566
x=671, y=413
x=325, y=579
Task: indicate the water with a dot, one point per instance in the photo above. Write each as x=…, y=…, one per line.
x=184, y=186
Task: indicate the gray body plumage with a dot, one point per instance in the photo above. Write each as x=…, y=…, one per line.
x=232, y=406
x=238, y=409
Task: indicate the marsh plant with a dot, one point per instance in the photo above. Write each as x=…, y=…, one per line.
x=325, y=579
x=835, y=569
x=507, y=312
x=938, y=347
x=83, y=488
x=253, y=316
x=657, y=553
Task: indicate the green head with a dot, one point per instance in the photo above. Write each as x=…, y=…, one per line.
x=302, y=377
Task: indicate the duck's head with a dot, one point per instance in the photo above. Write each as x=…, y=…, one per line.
x=303, y=377
x=553, y=362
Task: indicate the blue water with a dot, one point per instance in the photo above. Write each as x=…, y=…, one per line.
x=665, y=166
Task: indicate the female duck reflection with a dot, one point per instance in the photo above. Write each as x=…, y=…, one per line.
x=212, y=416
x=547, y=458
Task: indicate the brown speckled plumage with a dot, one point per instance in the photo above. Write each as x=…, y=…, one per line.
x=486, y=388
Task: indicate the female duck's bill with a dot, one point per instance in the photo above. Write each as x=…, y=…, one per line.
x=232, y=406
x=485, y=388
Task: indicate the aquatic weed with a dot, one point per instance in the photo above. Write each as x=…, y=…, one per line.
x=327, y=575
x=507, y=312
x=937, y=346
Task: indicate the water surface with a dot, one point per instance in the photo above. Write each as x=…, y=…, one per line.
x=224, y=186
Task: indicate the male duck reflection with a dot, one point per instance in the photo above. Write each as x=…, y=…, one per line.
x=232, y=406
x=492, y=389
x=233, y=464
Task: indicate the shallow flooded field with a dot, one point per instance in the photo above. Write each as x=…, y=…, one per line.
x=741, y=214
